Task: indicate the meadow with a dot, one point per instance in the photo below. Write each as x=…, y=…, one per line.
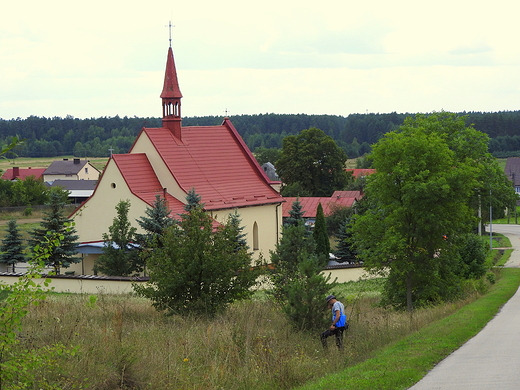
x=122, y=342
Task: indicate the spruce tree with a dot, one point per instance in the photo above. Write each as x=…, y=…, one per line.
x=295, y=214
x=55, y=223
x=156, y=220
x=120, y=256
x=199, y=270
x=344, y=251
x=321, y=237
x=12, y=250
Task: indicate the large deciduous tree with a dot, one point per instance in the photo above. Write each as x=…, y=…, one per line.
x=312, y=161
x=428, y=172
x=200, y=269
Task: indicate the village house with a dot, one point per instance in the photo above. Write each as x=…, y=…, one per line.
x=18, y=173
x=66, y=169
x=170, y=161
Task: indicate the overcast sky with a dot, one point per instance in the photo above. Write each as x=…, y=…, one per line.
x=107, y=58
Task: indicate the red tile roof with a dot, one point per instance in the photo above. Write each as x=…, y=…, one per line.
x=22, y=173
x=310, y=205
x=142, y=181
x=215, y=161
x=361, y=172
x=347, y=194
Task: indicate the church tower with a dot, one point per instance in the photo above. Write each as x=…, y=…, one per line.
x=171, y=98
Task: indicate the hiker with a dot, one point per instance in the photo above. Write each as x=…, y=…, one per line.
x=339, y=322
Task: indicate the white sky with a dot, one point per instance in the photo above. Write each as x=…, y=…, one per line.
x=107, y=58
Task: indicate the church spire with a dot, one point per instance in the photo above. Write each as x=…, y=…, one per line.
x=171, y=98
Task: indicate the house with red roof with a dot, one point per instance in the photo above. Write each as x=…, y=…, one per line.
x=357, y=173
x=18, y=173
x=329, y=204
x=170, y=161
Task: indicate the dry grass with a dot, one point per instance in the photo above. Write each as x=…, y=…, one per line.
x=125, y=344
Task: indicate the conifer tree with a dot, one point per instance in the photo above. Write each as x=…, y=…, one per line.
x=12, y=250
x=55, y=223
x=156, y=220
x=120, y=256
x=199, y=270
x=294, y=247
x=344, y=251
x=321, y=237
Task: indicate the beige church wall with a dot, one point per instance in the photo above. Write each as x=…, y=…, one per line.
x=268, y=220
x=144, y=145
x=97, y=214
x=347, y=274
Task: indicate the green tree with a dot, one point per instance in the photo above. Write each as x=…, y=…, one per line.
x=303, y=300
x=200, y=269
x=12, y=249
x=54, y=222
x=120, y=256
x=425, y=176
x=265, y=155
x=313, y=160
x=156, y=220
x=344, y=250
x=321, y=237
x=295, y=246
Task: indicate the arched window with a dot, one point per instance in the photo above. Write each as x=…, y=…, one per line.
x=256, y=246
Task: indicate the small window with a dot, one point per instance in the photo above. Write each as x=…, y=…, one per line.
x=256, y=246
x=113, y=185
x=86, y=171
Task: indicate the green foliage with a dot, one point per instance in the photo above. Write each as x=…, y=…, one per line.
x=55, y=223
x=23, y=192
x=472, y=252
x=265, y=155
x=12, y=249
x=304, y=300
x=119, y=257
x=25, y=368
x=313, y=160
x=344, y=250
x=199, y=270
x=156, y=220
x=321, y=237
x=427, y=173
x=336, y=218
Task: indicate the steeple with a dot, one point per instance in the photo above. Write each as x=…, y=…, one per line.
x=171, y=98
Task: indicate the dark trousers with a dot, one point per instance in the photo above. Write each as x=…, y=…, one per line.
x=337, y=332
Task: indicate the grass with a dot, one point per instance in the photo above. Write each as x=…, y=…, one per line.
x=405, y=362
x=123, y=343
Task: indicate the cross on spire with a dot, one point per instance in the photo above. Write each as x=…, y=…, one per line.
x=170, y=28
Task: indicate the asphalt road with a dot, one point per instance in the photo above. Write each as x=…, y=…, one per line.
x=491, y=359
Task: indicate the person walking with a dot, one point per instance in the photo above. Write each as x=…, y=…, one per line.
x=339, y=322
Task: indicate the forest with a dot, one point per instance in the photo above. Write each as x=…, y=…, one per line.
x=98, y=137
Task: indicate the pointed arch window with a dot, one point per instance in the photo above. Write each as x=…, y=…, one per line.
x=256, y=245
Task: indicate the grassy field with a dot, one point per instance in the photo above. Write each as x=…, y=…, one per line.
x=121, y=342
x=44, y=162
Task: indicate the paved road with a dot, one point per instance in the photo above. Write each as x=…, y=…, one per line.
x=491, y=359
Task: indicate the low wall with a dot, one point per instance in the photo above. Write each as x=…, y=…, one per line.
x=90, y=284
x=84, y=284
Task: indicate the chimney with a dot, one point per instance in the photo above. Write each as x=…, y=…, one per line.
x=76, y=161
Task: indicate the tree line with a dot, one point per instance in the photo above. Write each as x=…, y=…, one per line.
x=355, y=133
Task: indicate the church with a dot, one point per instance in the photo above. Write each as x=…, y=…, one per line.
x=170, y=161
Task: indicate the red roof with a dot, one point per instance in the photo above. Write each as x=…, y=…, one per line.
x=310, y=205
x=215, y=161
x=22, y=173
x=347, y=194
x=142, y=181
x=361, y=172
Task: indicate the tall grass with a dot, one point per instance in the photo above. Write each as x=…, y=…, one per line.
x=123, y=343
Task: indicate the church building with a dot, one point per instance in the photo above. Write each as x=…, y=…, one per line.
x=170, y=161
